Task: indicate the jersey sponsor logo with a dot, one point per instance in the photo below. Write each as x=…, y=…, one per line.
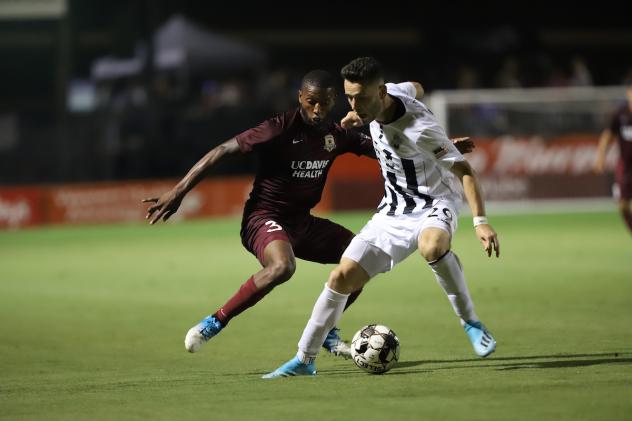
x=309, y=169
x=309, y=165
x=330, y=143
x=295, y=141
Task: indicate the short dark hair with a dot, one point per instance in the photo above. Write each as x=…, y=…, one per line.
x=318, y=79
x=362, y=69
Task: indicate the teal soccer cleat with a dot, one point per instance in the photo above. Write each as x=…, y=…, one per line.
x=482, y=340
x=199, y=334
x=294, y=367
x=335, y=345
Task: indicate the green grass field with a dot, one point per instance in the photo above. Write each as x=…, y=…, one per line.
x=92, y=322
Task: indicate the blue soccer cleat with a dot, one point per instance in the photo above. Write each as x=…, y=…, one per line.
x=482, y=340
x=335, y=345
x=294, y=367
x=199, y=334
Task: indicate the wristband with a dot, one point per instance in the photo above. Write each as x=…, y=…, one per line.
x=479, y=220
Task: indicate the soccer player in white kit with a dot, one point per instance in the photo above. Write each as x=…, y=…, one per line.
x=421, y=168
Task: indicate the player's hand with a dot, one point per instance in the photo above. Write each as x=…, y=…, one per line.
x=163, y=207
x=463, y=144
x=351, y=120
x=488, y=237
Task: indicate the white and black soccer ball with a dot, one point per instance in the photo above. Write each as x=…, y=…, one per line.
x=375, y=349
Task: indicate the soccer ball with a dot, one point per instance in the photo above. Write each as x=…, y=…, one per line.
x=375, y=349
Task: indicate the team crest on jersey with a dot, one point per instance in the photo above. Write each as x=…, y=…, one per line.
x=440, y=151
x=397, y=140
x=330, y=143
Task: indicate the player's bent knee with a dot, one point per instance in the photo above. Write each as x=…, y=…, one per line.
x=433, y=243
x=433, y=250
x=281, y=271
x=347, y=279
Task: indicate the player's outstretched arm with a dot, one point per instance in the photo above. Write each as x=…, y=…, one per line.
x=167, y=204
x=604, y=141
x=484, y=230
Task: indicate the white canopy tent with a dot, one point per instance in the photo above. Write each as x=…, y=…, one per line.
x=182, y=46
x=180, y=43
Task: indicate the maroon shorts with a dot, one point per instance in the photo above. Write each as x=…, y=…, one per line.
x=314, y=239
x=623, y=177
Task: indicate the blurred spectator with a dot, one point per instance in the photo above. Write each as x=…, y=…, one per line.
x=580, y=75
x=207, y=101
x=231, y=94
x=467, y=78
x=124, y=127
x=133, y=130
x=627, y=78
x=275, y=89
x=558, y=78
x=509, y=74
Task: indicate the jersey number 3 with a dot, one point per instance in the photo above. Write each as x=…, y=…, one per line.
x=273, y=226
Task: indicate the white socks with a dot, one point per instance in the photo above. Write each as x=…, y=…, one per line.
x=449, y=274
x=326, y=313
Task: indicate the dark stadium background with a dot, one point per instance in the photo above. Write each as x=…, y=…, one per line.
x=425, y=41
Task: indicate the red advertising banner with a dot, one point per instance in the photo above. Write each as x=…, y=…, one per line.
x=97, y=203
x=562, y=155
x=515, y=168
x=121, y=202
x=510, y=168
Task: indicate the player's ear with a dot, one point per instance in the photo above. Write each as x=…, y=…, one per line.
x=332, y=93
x=300, y=95
x=381, y=90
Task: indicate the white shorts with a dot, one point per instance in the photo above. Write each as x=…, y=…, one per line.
x=387, y=240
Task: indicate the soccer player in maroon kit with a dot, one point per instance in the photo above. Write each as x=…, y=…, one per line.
x=620, y=129
x=296, y=150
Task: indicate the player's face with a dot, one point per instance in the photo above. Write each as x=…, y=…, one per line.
x=365, y=99
x=316, y=103
x=629, y=94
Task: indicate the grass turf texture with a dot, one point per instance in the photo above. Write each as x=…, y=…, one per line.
x=93, y=321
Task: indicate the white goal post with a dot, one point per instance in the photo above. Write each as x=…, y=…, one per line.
x=533, y=144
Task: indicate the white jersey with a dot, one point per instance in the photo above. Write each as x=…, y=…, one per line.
x=415, y=156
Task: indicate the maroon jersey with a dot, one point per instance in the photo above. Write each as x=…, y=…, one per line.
x=621, y=126
x=294, y=160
